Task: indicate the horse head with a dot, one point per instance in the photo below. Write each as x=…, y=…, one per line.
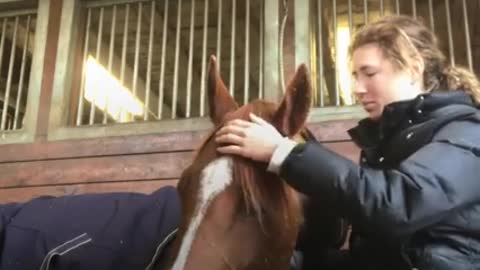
x=236, y=215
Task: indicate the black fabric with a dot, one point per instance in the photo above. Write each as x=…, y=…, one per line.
x=91, y=231
x=414, y=199
x=322, y=230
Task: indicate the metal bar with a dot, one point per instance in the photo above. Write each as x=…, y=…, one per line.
x=397, y=6
x=350, y=16
x=451, y=49
x=382, y=8
x=203, y=79
x=190, y=60
x=107, y=3
x=232, y=49
x=247, y=52
x=313, y=47
x=100, y=34
x=320, y=52
x=137, y=49
x=124, y=44
x=162, y=63
x=10, y=122
x=337, y=90
x=124, y=50
x=110, y=57
x=414, y=8
x=365, y=10
x=219, y=33
x=97, y=55
x=430, y=9
x=14, y=13
x=260, y=64
x=9, y=75
x=84, y=67
x=146, y=110
x=302, y=36
x=112, y=38
x=177, y=55
x=467, y=35
x=22, y=74
x=271, y=51
x=2, y=41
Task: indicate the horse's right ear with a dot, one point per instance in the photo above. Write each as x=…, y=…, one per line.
x=292, y=113
x=219, y=99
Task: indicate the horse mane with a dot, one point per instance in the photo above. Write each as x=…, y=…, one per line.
x=262, y=193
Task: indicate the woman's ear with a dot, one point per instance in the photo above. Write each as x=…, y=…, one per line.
x=416, y=70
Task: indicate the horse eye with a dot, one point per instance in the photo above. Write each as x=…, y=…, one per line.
x=244, y=216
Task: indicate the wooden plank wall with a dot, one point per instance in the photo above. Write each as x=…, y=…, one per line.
x=126, y=163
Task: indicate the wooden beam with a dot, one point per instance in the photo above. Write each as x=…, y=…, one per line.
x=8, y=5
x=91, y=170
x=107, y=146
x=328, y=131
x=23, y=194
x=63, y=171
x=48, y=69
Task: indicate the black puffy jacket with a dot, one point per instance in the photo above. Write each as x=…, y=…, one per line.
x=414, y=200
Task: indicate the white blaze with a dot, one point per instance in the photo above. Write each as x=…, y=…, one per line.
x=215, y=178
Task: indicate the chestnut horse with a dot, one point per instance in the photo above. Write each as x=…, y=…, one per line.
x=236, y=215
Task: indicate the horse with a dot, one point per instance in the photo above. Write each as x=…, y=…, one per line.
x=235, y=214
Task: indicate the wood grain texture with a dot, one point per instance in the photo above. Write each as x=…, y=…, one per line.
x=23, y=194
x=48, y=69
x=333, y=131
x=168, y=165
x=90, y=170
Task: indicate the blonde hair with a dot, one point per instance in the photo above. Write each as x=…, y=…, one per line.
x=406, y=40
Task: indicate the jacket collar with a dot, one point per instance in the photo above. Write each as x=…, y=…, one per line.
x=399, y=115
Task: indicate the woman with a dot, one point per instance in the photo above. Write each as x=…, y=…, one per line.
x=414, y=198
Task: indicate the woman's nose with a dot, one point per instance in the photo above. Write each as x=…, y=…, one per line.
x=359, y=88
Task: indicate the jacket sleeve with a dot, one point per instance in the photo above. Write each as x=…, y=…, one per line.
x=437, y=179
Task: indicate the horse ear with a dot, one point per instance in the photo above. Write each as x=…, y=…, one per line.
x=292, y=113
x=219, y=99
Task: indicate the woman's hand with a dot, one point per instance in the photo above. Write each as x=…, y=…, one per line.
x=256, y=140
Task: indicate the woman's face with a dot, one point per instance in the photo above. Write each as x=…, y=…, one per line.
x=378, y=83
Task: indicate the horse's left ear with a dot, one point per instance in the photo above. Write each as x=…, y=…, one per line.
x=292, y=113
x=220, y=101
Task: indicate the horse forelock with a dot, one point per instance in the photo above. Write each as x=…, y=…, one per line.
x=263, y=193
